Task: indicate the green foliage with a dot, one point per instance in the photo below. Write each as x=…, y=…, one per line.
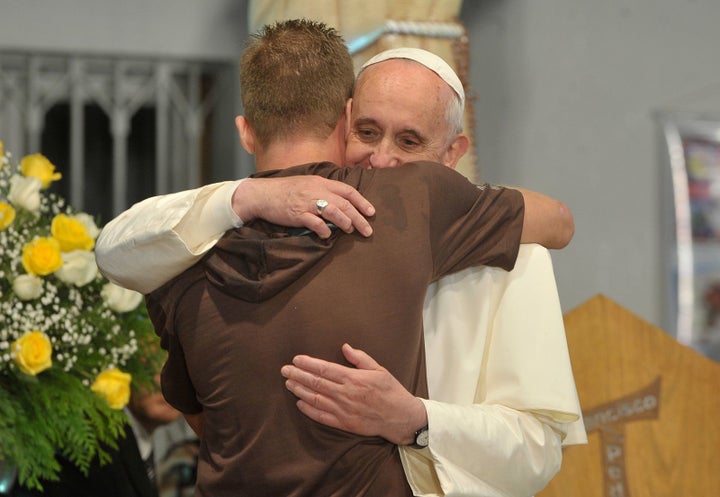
x=59, y=415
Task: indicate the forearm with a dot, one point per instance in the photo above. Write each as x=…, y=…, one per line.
x=485, y=450
x=160, y=237
x=547, y=222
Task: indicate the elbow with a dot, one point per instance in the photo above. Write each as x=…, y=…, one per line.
x=547, y=221
x=567, y=226
x=557, y=232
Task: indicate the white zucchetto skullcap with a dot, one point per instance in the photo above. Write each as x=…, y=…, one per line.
x=428, y=59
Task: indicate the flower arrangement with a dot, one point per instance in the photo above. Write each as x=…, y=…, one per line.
x=71, y=342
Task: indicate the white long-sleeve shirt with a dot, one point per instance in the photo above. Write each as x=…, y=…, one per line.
x=502, y=394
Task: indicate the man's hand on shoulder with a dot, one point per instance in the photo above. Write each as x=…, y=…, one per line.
x=292, y=201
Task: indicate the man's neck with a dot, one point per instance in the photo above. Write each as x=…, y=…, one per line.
x=301, y=150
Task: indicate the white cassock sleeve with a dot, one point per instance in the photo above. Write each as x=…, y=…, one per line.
x=503, y=397
x=160, y=237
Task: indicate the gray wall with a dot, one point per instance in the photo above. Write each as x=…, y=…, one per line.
x=566, y=96
x=207, y=29
x=566, y=92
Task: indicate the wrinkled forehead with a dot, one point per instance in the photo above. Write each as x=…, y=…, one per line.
x=402, y=91
x=398, y=73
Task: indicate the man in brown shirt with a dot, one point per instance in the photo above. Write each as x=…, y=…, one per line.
x=262, y=294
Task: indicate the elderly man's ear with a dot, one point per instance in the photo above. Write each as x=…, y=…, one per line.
x=246, y=133
x=348, y=115
x=456, y=150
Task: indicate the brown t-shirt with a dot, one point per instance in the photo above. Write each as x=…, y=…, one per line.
x=263, y=295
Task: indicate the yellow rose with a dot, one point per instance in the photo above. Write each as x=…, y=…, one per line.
x=114, y=386
x=89, y=223
x=38, y=166
x=32, y=352
x=42, y=256
x=7, y=215
x=71, y=233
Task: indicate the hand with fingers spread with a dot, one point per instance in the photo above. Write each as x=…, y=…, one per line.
x=365, y=400
x=304, y=201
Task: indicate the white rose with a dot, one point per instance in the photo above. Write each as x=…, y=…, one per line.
x=79, y=268
x=120, y=299
x=28, y=287
x=89, y=223
x=25, y=192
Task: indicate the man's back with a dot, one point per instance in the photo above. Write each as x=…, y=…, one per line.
x=262, y=296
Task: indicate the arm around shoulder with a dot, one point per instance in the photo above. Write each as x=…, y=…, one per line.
x=160, y=237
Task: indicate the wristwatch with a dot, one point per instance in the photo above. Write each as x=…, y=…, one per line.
x=422, y=438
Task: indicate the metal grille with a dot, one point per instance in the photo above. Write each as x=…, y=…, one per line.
x=180, y=95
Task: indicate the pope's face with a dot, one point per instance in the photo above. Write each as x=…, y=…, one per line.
x=398, y=116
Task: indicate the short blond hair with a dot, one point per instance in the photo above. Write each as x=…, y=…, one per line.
x=295, y=77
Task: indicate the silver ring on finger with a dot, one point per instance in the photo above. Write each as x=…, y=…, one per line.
x=320, y=205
